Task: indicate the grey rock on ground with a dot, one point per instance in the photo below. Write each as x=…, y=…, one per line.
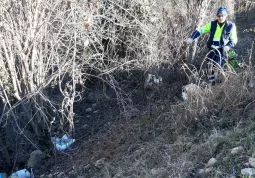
x=35, y=159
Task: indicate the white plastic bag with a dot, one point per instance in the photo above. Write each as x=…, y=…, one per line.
x=184, y=96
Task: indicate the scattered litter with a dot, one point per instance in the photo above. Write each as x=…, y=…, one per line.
x=152, y=79
x=62, y=143
x=86, y=42
x=232, y=54
x=184, y=96
x=193, y=92
x=3, y=175
x=251, y=84
x=234, y=172
x=21, y=174
x=235, y=63
x=233, y=60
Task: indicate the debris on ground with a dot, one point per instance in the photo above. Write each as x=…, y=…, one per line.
x=62, y=143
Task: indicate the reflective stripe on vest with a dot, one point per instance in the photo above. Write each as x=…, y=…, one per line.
x=219, y=36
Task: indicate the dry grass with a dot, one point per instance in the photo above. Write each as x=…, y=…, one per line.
x=231, y=91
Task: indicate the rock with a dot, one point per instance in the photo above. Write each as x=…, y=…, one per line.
x=225, y=159
x=55, y=174
x=219, y=156
x=85, y=126
x=95, y=112
x=35, y=159
x=237, y=150
x=154, y=171
x=252, y=162
x=201, y=172
x=248, y=171
x=246, y=164
x=72, y=174
x=212, y=162
x=87, y=167
x=50, y=176
x=60, y=175
x=89, y=110
x=208, y=170
x=99, y=163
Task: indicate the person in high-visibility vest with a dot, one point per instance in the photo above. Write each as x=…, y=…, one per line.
x=223, y=36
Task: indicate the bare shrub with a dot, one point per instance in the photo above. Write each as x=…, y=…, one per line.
x=46, y=43
x=36, y=53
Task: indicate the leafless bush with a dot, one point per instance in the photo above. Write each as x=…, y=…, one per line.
x=47, y=43
x=39, y=48
x=244, y=6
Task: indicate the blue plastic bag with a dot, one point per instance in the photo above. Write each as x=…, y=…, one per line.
x=21, y=174
x=63, y=143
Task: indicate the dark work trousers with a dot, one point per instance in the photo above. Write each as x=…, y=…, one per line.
x=214, y=57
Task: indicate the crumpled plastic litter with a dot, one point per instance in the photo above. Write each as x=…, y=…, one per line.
x=24, y=173
x=2, y=175
x=152, y=79
x=184, y=96
x=62, y=143
x=232, y=54
x=251, y=84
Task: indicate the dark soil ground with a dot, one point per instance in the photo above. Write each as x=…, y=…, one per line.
x=105, y=129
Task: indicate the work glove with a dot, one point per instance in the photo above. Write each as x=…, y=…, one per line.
x=189, y=40
x=226, y=48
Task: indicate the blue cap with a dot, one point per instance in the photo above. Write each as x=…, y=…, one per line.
x=223, y=11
